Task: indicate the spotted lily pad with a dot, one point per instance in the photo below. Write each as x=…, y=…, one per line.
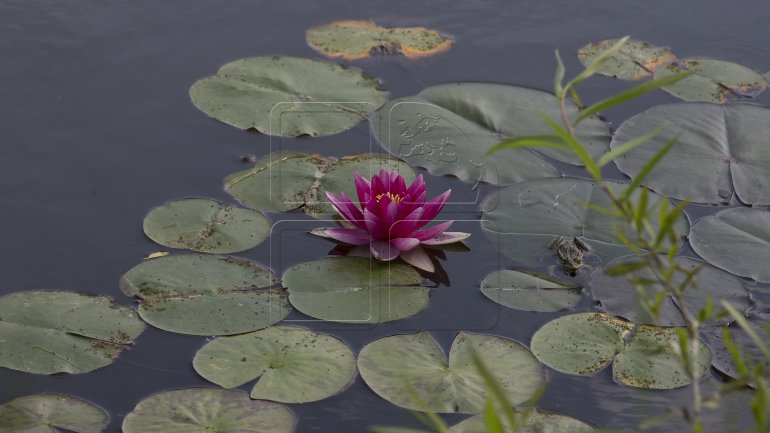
x=207, y=410
x=51, y=413
x=356, y=39
x=634, y=61
x=713, y=80
x=288, y=96
x=538, y=421
x=206, y=226
x=200, y=294
x=395, y=367
x=447, y=128
x=528, y=291
x=355, y=289
x=47, y=332
x=641, y=355
x=291, y=364
x=722, y=150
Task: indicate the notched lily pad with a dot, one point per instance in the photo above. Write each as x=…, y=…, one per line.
x=538, y=421
x=529, y=291
x=288, y=96
x=47, y=332
x=635, y=60
x=201, y=294
x=393, y=365
x=357, y=39
x=752, y=355
x=713, y=80
x=291, y=364
x=51, y=413
x=206, y=226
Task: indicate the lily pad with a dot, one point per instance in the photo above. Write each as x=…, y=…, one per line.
x=395, y=366
x=206, y=226
x=538, y=421
x=722, y=150
x=447, y=128
x=736, y=240
x=620, y=298
x=524, y=219
x=752, y=355
x=291, y=364
x=357, y=39
x=48, y=332
x=642, y=356
x=51, y=413
x=528, y=291
x=206, y=410
x=288, y=96
x=200, y=294
x=634, y=61
x=356, y=289
x=713, y=80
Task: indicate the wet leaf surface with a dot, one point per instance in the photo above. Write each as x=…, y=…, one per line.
x=51, y=413
x=538, y=421
x=634, y=61
x=528, y=291
x=713, y=80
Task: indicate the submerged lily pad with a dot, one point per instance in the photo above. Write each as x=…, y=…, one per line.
x=635, y=60
x=642, y=356
x=721, y=150
x=51, y=413
x=356, y=39
x=207, y=410
x=736, y=240
x=395, y=366
x=356, y=289
x=47, y=332
x=524, y=219
x=528, y=291
x=206, y=226
x=620, y=298
x=288, y=96
x=291, y=364
x=713, y=80
x=200, y=294
x=447, y=128
x=752, y=355
x=538, y=421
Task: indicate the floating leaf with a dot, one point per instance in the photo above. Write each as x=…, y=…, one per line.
x=635, y=60
x=447, y=129
x=752, y=355
x=48, y=413
x=642, y=355
x=200, y=294
x=291, y=364
x=355, y=39
x=355, y=289
x=288, y=96
x=538, y=421
x=400, y=366
x=47, y=332
x=207, y=410
x=721, y=150
x=713, y=80
x=620, y=298
x=531, y=292
x=206, y=226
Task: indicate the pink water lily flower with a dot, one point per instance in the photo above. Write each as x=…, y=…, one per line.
x=391, y=219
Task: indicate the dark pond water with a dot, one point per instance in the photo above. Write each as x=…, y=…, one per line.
x=96, y=128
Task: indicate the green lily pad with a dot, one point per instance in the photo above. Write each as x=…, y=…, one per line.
x=291, y=364
x=620, y=298
x=200, y=294
x=752, y=355
x=642, y=356
x=722, y=150
x=356, y=39
x=288, y=96
x=356, y=289
x=634, y=61
x=207, y=410
x=448, y=128
x=48, y=413
x=713, y=80
x=206, y=226
x=524, y=219
x=736, y=240
x=528, y=291
x=538, y=421
x=47, y=332
x=391, y=366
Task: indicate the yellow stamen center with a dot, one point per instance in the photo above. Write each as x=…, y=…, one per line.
x=395, y=198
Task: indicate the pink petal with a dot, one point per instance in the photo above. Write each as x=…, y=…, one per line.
x=363, y=188
x=377, y=186
x=417, y=187
x=374, y=225
x=405, y=244
x=419, y=259
x=346, y=208
x=446, y=238
x=407, y=225
x=383, y=250
x=397, y=184
x=348, y=236
x=433, y=207
x=428, y=233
